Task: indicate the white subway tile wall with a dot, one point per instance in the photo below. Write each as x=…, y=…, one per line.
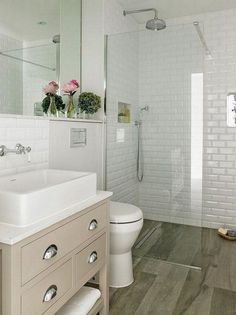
x=122, y=87
x=28, y=132
x=219, y=159
x=168, y=60
x=16, y=77
x=166, y=64
x=122, y=137
x=167, y=192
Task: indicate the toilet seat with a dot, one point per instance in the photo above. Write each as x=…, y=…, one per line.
x=124, y=213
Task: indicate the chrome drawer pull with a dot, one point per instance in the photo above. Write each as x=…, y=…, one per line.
x=50, y=293
x=93, y=225
x=93, y=257
x=50, y=252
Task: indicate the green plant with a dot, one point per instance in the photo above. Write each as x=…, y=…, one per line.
x=58, y=100
x=89, y=102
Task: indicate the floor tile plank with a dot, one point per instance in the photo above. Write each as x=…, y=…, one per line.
x=163, y=288
x=126, y=301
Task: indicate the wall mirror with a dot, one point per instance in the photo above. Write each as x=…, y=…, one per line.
x=40, y=41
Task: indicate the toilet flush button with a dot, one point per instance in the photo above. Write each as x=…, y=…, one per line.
x=78, y=137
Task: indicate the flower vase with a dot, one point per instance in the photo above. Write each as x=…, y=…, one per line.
x=80, y=113
x=52, y=109
x=70, y=108
x=90, y=116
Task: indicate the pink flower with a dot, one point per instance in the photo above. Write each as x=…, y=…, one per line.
x=51, y=88
x=71, y=87
x=75, y=82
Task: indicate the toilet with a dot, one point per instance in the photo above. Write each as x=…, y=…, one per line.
x=126, y=222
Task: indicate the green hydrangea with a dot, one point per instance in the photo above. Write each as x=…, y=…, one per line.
x=89, y=102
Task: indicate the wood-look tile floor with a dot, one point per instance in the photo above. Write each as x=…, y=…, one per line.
x=163, y=286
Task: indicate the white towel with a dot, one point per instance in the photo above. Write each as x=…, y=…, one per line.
x=81, y=303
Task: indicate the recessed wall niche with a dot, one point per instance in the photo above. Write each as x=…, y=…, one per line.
x=124, y=112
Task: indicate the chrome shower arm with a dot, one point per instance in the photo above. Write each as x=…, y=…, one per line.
x=126, y=12
x=202, y=39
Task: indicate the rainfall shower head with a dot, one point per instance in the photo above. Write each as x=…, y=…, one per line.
x=56, y=39
x=154, y=24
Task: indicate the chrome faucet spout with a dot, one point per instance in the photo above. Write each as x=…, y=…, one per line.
x=3, y=150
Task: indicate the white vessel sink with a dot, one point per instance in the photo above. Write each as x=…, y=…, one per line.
x=31, y=196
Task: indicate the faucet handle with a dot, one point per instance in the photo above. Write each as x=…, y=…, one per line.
x=2, y=150
x=20, y=148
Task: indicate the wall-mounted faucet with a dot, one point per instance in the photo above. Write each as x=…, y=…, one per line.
x=19, y=149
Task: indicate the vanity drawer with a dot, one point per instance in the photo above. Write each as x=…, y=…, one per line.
x=90, y=257
x=48, y=291
x=45, y=251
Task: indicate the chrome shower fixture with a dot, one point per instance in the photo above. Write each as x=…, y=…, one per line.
x=56, y=39
x=203, y=41
x=145, y=108
x=138, y=123
x=154, y=24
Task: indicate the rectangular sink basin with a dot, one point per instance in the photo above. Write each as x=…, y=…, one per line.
x=26, y=198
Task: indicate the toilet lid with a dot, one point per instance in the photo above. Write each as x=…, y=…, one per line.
x=124, y=213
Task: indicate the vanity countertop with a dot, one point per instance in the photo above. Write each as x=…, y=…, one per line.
x=10, y=234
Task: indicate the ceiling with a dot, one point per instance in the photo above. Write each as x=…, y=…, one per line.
x=176, y=8
x=20, y=18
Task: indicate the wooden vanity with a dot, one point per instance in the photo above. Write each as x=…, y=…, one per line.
x=41, y=272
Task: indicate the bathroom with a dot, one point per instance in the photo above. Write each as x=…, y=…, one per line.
x=126, y=205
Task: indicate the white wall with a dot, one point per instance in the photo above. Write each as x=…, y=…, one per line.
x=28, y=132
x=168, y=124
x=35, y=131
x=85, y=158
x=50, y=151
x=70, y=32
x=219, y=160
x=167, y=61
x=114, y=21
x=122, y=86
x=219, y=141
x=219, y=190
x=93, y=48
